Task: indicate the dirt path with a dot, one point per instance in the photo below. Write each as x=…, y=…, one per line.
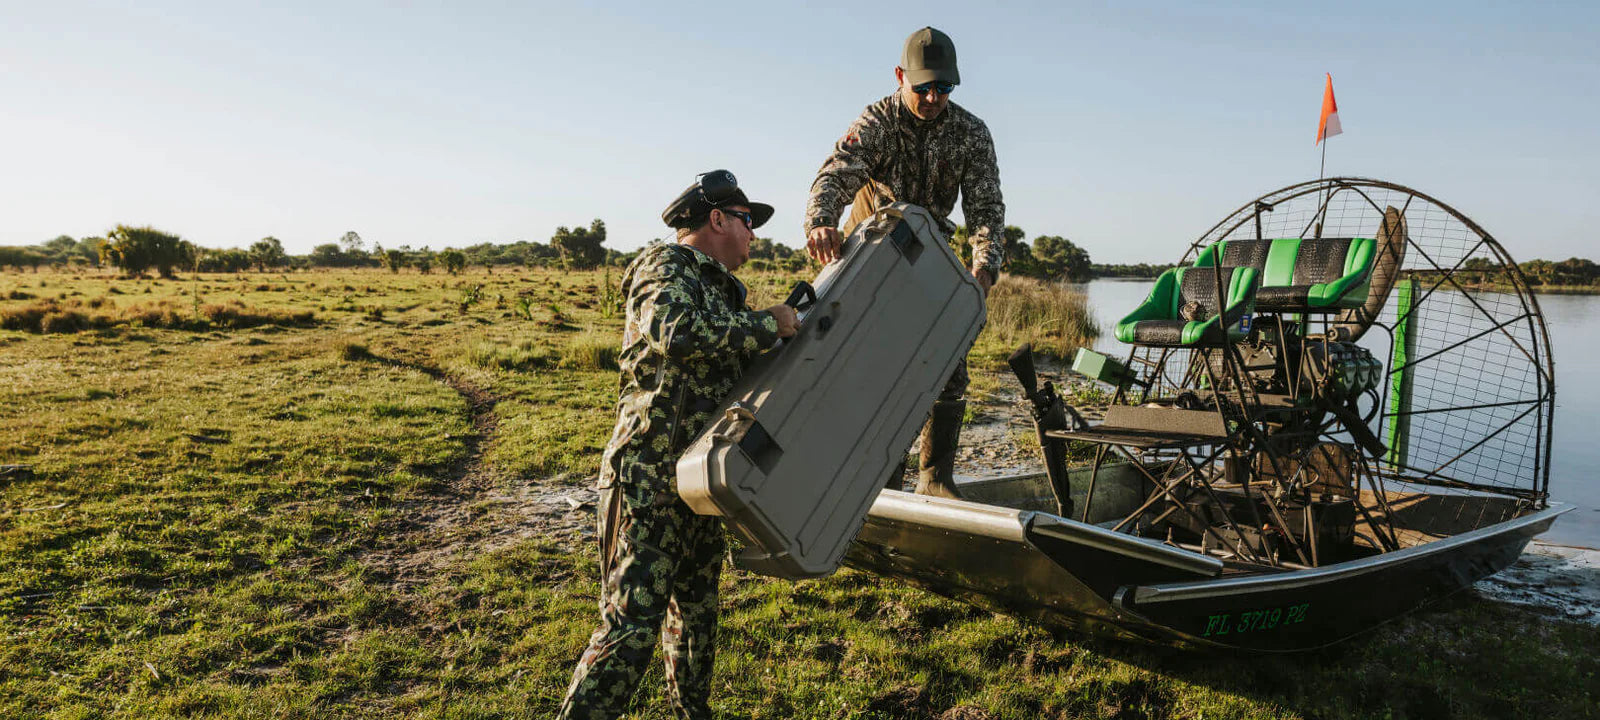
x=476, y=510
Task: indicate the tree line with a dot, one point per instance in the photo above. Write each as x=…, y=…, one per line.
x=1572, y=272
x=139, y=250
x=1048, y=257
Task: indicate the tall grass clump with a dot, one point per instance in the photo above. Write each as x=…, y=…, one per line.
x=71, y=315
x=26, y=317
x=62, y=322
x=589, y=351
x=523, y=355
x=150, y=315
x=235, y=314
x=1052, y=316
x=352, y=351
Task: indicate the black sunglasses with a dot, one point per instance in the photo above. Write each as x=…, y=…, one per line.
x=943, y=88
x=749, y=220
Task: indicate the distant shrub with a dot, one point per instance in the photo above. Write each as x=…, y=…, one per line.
x=19, y=295
x=559, y=320
x=524, y=308
x=469, y=298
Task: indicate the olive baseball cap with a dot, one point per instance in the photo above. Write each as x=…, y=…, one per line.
x=929, y=56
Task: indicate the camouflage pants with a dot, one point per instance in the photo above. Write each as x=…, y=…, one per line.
x=868, y=199
x=956, y=387
x=661, y=578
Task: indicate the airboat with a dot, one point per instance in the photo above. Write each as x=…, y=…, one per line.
x=1334, y=410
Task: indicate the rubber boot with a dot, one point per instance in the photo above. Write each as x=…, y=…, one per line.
x=938, y=459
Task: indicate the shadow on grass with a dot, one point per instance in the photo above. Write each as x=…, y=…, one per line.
x=1462, y=657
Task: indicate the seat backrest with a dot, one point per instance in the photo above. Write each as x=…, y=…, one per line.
x=1321, y=260
x=1292, y=261
x=1300, y=263
x=1160, y=320
x=1199, y=284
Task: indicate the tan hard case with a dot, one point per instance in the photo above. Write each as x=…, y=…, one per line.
x=800, y=448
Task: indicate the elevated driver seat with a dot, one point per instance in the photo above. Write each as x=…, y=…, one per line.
x=1182, y=309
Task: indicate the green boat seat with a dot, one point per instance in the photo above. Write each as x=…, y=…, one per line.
x=1181, y=310
x=1301, y=275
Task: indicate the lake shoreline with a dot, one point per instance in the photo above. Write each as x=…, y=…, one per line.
x=1559, y=581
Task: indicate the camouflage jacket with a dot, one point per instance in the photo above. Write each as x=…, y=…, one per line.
x=918, y=161
x=687, y=338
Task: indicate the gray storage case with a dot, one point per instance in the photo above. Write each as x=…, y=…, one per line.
x=803, y=444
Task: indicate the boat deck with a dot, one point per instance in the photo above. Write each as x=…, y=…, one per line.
x=1418, y=517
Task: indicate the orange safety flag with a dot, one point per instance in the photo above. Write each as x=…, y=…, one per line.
x=1328, y=126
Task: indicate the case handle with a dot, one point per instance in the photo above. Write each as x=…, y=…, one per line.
x=802, y=296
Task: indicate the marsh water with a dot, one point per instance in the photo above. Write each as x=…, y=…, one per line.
x=1576, y=453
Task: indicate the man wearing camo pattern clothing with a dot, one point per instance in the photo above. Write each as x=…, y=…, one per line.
x=916, y=146
x=688, y=336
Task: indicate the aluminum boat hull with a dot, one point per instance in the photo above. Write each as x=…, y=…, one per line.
x=1060, y=572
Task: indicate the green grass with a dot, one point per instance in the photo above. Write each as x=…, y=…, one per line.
x=1053, y=317
x=300, y=521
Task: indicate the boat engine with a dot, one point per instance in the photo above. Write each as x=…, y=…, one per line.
x=1340, y=372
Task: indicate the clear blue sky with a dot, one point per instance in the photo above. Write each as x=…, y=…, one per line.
x=1129, y=128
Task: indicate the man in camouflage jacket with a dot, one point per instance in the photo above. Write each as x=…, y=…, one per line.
x=916, y=146
x=688, y=336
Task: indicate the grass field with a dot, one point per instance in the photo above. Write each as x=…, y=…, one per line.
x=328, y=495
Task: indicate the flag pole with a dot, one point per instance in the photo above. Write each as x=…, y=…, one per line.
x=1321, y=169
x=1325, y=130
x=1322, y=205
